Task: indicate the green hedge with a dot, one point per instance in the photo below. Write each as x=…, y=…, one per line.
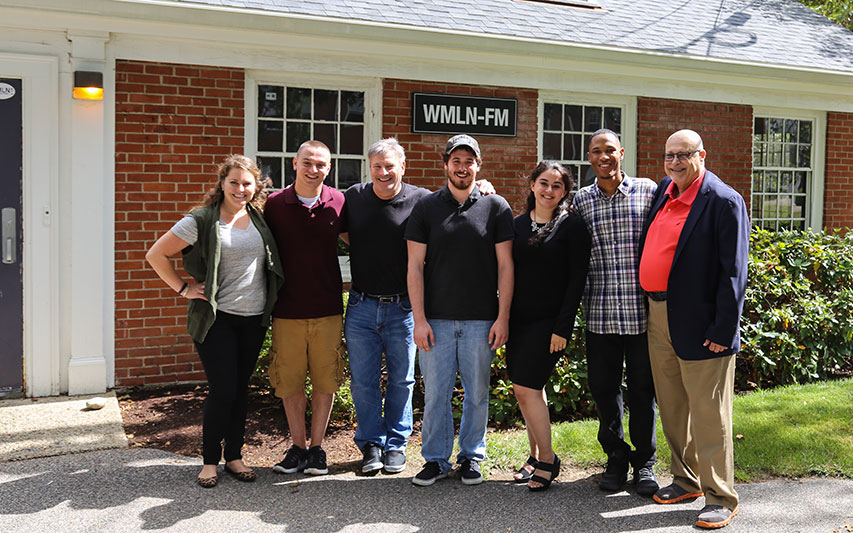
x=798, y=315
x=797, y=327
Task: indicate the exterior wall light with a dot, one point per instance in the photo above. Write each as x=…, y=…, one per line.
x=88, y=85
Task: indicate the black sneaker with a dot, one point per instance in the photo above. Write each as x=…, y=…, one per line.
x=470, y=472
x=395, y=461
x=294, y=461
x=645, y=480
x=429, y=475
x=372, y=458
x=614, y=477
x=316, y=461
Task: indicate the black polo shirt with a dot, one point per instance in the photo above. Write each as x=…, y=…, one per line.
x=378, y=255
x=461, y=268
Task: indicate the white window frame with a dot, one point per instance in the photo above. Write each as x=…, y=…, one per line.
x=815, y=190
x=628, y=135
x=372, y=88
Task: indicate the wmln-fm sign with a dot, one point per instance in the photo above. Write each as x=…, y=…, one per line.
x=445, y=113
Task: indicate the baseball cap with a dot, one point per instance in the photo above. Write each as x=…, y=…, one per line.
x=460, y=141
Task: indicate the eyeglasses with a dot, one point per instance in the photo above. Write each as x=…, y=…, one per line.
x=681, y=156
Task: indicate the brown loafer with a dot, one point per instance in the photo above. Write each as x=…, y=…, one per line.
x=246, y=476
x=207, y=482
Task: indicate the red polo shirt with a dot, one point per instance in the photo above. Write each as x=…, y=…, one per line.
x=663, y=234
x=307, y=240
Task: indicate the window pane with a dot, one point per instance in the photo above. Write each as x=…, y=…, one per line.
x=799, y=207
x=774, y=155
x=573, y=114
x=775, y=126
x=756, y=181
x=588, y=175
x=349, y=172
x=613, y=119
x=771, y=182
x=270, y=101
x=593, y=119
x=805, y=131
x=352, y=139
x=758, y=154
x=353, y=107
x=769, y=209
x=551, y=146
x=328, y=133
x=786, y=182
x=289, y=174
x=572, y=148
x=790, y=130
x=552, y=117
x=297, y=133
x=756, y=207
x=298, y=103
x=805, y=160
x=325, y=105
x=760, y=129
x=271, y=168
x=270, y=135
x=800, y=179
x=790, y=153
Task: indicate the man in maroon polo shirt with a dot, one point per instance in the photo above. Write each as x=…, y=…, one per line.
x=693, y=267
x=305, y=219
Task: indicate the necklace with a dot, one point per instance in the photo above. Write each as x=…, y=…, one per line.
x=535, y=226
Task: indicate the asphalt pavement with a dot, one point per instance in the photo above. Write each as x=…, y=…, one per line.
x=150, y=490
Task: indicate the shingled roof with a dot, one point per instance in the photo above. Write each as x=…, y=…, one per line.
x=766, y=32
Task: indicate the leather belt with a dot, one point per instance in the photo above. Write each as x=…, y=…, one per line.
x=384, y=298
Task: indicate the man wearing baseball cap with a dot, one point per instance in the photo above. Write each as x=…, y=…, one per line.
x=460, y=281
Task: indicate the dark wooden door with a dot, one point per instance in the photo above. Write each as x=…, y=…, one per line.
x=11, y=272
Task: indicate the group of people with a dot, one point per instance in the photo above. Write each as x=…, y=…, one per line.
x=450, y=275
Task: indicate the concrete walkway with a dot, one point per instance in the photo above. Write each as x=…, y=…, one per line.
x=39, y=427
x=142, y=489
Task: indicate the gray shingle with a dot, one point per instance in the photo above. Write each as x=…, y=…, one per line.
x=782, y=32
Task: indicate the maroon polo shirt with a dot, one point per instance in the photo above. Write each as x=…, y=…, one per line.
x=307, y=240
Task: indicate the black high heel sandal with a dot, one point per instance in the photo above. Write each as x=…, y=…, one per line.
x=525, y=473
x=552, y=468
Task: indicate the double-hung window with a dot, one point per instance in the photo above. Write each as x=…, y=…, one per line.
x=786, y=173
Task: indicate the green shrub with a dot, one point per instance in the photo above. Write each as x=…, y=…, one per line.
x=797, y=323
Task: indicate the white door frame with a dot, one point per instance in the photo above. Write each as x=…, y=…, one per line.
x=40, y=81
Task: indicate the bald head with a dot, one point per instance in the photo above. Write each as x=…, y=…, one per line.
x=684, y=159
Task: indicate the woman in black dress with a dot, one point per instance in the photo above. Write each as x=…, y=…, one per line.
x=551, y=255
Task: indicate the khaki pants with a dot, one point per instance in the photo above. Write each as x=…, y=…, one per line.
x=695, y=404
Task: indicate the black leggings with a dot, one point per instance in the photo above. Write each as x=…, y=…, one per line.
x=229, y=354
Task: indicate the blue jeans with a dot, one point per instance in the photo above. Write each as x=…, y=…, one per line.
x=461, y=345
x=371, y=329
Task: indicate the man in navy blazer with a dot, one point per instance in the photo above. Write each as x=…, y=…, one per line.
x=693, y=267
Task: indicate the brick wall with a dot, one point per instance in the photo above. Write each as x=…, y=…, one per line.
x=506, y=160
x=838, y=184
x=726, y=131
x=174, y=123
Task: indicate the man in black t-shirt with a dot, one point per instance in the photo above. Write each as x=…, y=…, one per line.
x=379, y=315
x=460, y=259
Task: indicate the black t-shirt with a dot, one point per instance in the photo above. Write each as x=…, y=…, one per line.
x=550, y=277
x=461, y=268
x=378, y=256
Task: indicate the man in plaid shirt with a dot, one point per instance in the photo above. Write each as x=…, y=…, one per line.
x=614, y=208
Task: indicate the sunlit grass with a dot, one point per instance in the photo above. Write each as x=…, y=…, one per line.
x=791, y=431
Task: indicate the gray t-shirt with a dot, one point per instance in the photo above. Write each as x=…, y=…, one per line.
x=242, y=276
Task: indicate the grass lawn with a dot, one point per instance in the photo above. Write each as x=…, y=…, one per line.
x=797, y=430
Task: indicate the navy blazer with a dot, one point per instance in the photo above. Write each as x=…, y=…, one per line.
x=707, y=282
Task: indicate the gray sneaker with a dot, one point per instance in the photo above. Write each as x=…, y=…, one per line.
x=715, y=516
x=430, y=474
x=372, y=458
x=395, y=461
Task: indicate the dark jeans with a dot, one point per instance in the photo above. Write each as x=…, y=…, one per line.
x=229, y=354
x=605, y=355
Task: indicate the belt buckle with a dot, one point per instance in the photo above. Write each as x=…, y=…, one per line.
x=387, y=299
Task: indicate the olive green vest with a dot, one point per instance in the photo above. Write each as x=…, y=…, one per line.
x=201, y=261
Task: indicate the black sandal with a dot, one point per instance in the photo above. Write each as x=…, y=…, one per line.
x=525, y=473
x=552, y=468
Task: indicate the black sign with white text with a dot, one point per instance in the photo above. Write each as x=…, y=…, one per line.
x=445, y=113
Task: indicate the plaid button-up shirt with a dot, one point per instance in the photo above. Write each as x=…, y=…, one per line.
x=613, y=301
